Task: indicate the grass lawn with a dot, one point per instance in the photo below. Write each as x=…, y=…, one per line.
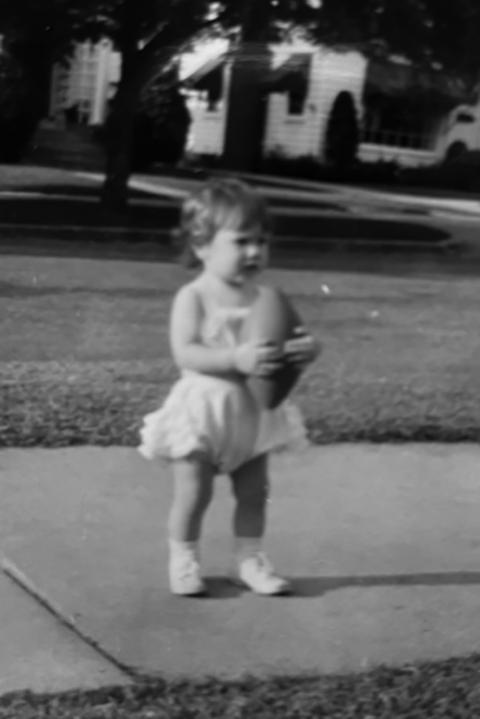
x=84, y=352
x=33, y=179
x=427, y=691
x=61, y=204
x=84, y=355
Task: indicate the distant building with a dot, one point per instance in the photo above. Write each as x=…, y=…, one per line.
x=81, y=90
x=406, y=116
x=410, y=117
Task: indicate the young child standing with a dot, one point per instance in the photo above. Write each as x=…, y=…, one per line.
x=210, y=422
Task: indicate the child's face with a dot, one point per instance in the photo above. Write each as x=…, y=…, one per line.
x=236, y=256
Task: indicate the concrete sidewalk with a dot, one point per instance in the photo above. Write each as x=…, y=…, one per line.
x=381, y=542
x=38, y=653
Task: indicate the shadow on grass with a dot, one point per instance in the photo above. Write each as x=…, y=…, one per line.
x=73, y=190
x=373, y=229
x=388, y=262
x=333, y=222
x=12, y=289
x=318, y=586
x=84, y=213
x=333, y=242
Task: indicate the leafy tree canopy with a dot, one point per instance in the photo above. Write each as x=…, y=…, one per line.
x=427, y=31
x=58, y=23
x=150, y=33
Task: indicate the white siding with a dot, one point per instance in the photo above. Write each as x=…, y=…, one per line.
x=87, y=81
x=338, y=72
x=285, y=134
x=207, y=128
x=330, y=73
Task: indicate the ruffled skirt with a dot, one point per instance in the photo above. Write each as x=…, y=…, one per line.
x=220, y=421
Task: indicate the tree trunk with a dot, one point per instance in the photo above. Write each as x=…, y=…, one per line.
x=138, y=68
x=119, y=126
x=119, y=131
x=140, y=63
x=247, y=98
x=246, y=108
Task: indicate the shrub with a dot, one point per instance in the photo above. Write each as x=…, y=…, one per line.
x=341, y=137
x=305, y=166
x=160, y=125
x=457, y=173
x=454, y=150
x=310, y=168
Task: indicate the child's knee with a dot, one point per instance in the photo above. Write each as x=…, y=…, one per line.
x=253, y=493
x=193, y=482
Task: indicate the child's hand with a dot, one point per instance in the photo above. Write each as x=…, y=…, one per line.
x=302, y=349
x=260, y=359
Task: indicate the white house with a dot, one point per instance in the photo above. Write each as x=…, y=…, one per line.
x=206, y=102
x=410, y=117
x=86, y=84
x=302, y=86
x=297, y=117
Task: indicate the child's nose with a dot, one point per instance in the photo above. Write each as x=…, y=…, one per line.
x=253, y=250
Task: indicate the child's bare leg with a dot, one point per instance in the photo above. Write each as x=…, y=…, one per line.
x=193, y=486
x=192, y=492
x=251, y=487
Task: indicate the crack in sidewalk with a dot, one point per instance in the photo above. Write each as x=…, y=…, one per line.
x=16, y=575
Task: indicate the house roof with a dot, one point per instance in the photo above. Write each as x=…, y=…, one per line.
x=202, y=77
x=292, y=75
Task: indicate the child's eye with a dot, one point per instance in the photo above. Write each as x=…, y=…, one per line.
x=243, y=241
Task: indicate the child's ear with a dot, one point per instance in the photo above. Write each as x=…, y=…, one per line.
x=200, y=252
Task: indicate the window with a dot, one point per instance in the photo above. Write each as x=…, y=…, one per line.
x=213, y=100
x=296, y=102
x=398, y=122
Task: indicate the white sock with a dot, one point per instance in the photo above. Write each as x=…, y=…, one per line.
x=247, y=547
x=183, y=550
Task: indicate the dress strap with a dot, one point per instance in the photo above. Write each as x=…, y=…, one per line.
x=234, y=312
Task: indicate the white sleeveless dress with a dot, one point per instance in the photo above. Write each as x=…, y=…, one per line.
x=217, y=418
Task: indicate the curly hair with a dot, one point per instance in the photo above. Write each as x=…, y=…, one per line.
x=219, y=204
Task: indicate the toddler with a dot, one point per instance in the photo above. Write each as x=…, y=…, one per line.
x=210, y=422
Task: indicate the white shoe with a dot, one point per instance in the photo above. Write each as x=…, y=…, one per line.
x=257, y=574
x=185, y=578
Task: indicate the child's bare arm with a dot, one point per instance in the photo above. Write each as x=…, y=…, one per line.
x=185, y=340
x=190, y=353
